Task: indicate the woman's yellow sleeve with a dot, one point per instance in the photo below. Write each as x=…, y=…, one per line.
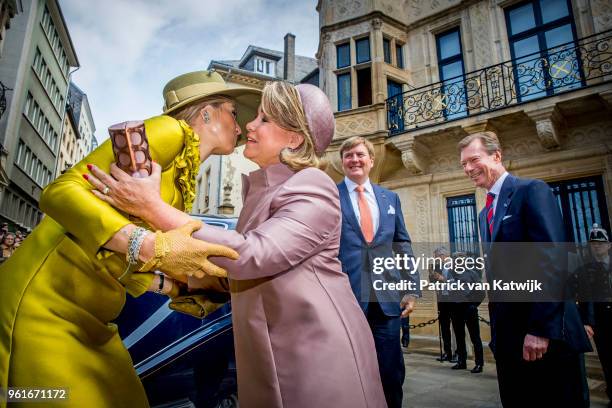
x=90, y=221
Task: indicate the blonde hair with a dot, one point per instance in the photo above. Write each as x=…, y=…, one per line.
x=351, y=142
x=489, y=140
x=281, y=103
x=189, y=112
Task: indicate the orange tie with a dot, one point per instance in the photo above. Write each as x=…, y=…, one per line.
x=367, y=226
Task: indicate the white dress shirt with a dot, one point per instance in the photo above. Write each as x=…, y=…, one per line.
x=496, y=189
x=370, y=198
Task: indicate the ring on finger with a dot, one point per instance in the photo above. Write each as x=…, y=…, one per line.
x=106, y=190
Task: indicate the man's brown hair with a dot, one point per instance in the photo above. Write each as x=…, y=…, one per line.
x=351, y=142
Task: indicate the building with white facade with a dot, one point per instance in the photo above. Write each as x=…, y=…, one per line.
x=78, y=138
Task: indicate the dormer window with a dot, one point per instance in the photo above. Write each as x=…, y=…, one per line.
x=264, y=66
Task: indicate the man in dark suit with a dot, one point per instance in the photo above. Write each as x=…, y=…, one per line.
x=372, y=229
x=593, y=284
x=464, y=313
x=445, y=306
x=536, y=345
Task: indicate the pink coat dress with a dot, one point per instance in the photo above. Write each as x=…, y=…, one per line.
x=300, y=336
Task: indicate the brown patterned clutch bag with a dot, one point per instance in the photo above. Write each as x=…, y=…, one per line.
x=131, y=148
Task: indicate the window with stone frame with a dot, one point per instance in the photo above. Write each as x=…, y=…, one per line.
x=387, y=50
x=343, y=55
x=451, y=99
x=540, y=32
x=362, y=50
x=399, y=55
x=354, y=75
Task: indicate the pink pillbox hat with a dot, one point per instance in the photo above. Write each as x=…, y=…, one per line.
x=319, y=115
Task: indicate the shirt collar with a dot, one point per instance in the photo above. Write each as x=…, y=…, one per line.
x=498, y=184
x=351, y=185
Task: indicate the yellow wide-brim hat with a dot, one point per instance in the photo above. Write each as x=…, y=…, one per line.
x=193, y=86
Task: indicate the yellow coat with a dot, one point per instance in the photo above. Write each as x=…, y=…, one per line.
x=59, y=291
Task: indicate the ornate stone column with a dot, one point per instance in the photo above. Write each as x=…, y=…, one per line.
x=226, y=208
x=326, y=69
x=378, y=82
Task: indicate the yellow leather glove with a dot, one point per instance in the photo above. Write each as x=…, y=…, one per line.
x=202, y=301
x=197, y=305
x=179, y=255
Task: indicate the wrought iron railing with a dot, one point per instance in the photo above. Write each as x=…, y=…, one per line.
x=577, y=64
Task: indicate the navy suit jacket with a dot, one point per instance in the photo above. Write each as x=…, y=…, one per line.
x=357, y=256
x=527, y=212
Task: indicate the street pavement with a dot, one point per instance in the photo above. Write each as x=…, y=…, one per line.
x=431, y=384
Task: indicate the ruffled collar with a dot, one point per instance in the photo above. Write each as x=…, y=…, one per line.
x=187, y=165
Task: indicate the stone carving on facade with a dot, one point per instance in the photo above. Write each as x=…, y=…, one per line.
x=422, y=209
x=602, y=14
x=521, y=148
x=440, y=163
x=549, y=126
x=347, y=7
x=226, y=206
x=420, y=8
x=356, y=125
x=377, y=24
x=415, y=155
x=589, y=135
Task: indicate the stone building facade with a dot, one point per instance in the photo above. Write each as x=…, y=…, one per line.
x=36, y=65
x=415, y=77
x=78, y=138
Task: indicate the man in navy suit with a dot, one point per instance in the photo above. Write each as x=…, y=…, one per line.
x=536, y=344
x=373, y=229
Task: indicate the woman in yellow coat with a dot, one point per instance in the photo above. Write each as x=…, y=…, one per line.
x=61, y=289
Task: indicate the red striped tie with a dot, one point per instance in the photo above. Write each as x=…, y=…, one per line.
x=489, y=208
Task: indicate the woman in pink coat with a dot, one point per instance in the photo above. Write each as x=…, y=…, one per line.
x=301, y=339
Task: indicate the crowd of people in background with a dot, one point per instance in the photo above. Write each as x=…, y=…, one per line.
x=11, y=238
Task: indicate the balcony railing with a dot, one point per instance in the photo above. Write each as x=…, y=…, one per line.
x=577, y=64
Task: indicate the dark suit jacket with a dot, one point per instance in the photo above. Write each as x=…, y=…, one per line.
x=527, y=212
x=357, y=256
x=592, y=289
x=468, y=276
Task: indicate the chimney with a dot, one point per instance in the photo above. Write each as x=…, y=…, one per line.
x=289, y=68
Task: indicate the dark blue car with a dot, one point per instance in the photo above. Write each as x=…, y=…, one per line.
x=182, y=361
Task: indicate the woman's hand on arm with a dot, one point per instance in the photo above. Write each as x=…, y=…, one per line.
x=140, y=197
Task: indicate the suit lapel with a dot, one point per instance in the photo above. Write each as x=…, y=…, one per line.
x=505, y=196
x=482, y=223
x=383, y=205
x=347, y=209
